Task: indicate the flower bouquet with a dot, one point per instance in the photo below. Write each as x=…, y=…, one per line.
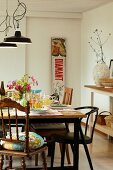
x=22, y=86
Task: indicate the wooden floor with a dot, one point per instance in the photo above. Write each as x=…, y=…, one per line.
x=101, y=153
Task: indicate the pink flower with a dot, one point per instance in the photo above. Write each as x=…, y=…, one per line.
x=18, y=87
x=34, y=80
x=14, y=83
x=28, y=87
x=10, y=84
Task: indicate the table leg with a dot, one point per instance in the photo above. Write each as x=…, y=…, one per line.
x=76, y=144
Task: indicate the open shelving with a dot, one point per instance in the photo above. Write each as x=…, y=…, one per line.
x=105, y=91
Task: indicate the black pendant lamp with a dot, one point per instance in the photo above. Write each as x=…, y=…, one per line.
x=7, y=45
x=17, y=38
x=7, y=26
x=17, y=17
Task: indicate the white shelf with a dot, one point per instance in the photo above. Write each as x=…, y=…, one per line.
x=104, y=129
x=103, y=91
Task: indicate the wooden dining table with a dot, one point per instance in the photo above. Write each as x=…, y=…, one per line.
x=59, y=117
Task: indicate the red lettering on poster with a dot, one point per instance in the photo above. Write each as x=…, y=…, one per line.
x=59, y=69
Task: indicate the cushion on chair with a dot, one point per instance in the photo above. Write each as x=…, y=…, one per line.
x=35, y=141
x=48, y=126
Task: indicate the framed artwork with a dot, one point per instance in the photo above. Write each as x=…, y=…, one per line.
x=58, y=55
x=111, y=68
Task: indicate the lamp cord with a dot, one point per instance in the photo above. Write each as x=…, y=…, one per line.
x=16, y=17
x=6, y=21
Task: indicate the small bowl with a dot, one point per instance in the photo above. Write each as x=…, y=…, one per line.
x=36, y=91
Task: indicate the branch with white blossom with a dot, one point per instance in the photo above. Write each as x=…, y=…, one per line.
x=98, y=42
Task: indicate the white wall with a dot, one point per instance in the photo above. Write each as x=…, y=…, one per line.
x=102, y=19
x=35, y=59
x=40, y=30
x=12, y=61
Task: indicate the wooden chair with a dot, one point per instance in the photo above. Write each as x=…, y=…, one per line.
x=68, y=137
x=47, y=129
x=67, y=99
x=22, y=149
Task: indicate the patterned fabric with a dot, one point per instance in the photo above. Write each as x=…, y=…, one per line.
x=35, y=141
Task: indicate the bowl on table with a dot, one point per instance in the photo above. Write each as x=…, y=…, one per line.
x=36, y=91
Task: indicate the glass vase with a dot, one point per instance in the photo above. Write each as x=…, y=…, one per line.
x=23, y=100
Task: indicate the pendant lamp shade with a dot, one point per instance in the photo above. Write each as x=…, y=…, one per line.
x=7, y=45
x=17, y=38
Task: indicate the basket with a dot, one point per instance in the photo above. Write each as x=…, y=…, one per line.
x=109, y=120
x=101, y=118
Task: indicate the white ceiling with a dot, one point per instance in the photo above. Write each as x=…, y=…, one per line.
x=70, y=6
x=64, y=5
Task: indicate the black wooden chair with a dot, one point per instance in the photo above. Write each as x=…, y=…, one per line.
x=68, y=137
x=18, y=144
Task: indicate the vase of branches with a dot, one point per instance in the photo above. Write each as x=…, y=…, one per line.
x=101, y=69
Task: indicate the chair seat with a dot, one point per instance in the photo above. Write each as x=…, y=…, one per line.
x=68, y=138
x=35, y=141
x=48, y=126
x=20, y=153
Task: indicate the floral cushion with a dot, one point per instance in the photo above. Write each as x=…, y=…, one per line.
x=35, y=141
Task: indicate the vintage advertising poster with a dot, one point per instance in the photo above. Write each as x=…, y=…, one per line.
x=58, y=53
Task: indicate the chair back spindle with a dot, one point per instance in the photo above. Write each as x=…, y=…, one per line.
x=10, y=109
x=3, y=124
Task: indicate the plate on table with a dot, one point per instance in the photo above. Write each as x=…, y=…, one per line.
x=58, y=106
x=39, y=110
